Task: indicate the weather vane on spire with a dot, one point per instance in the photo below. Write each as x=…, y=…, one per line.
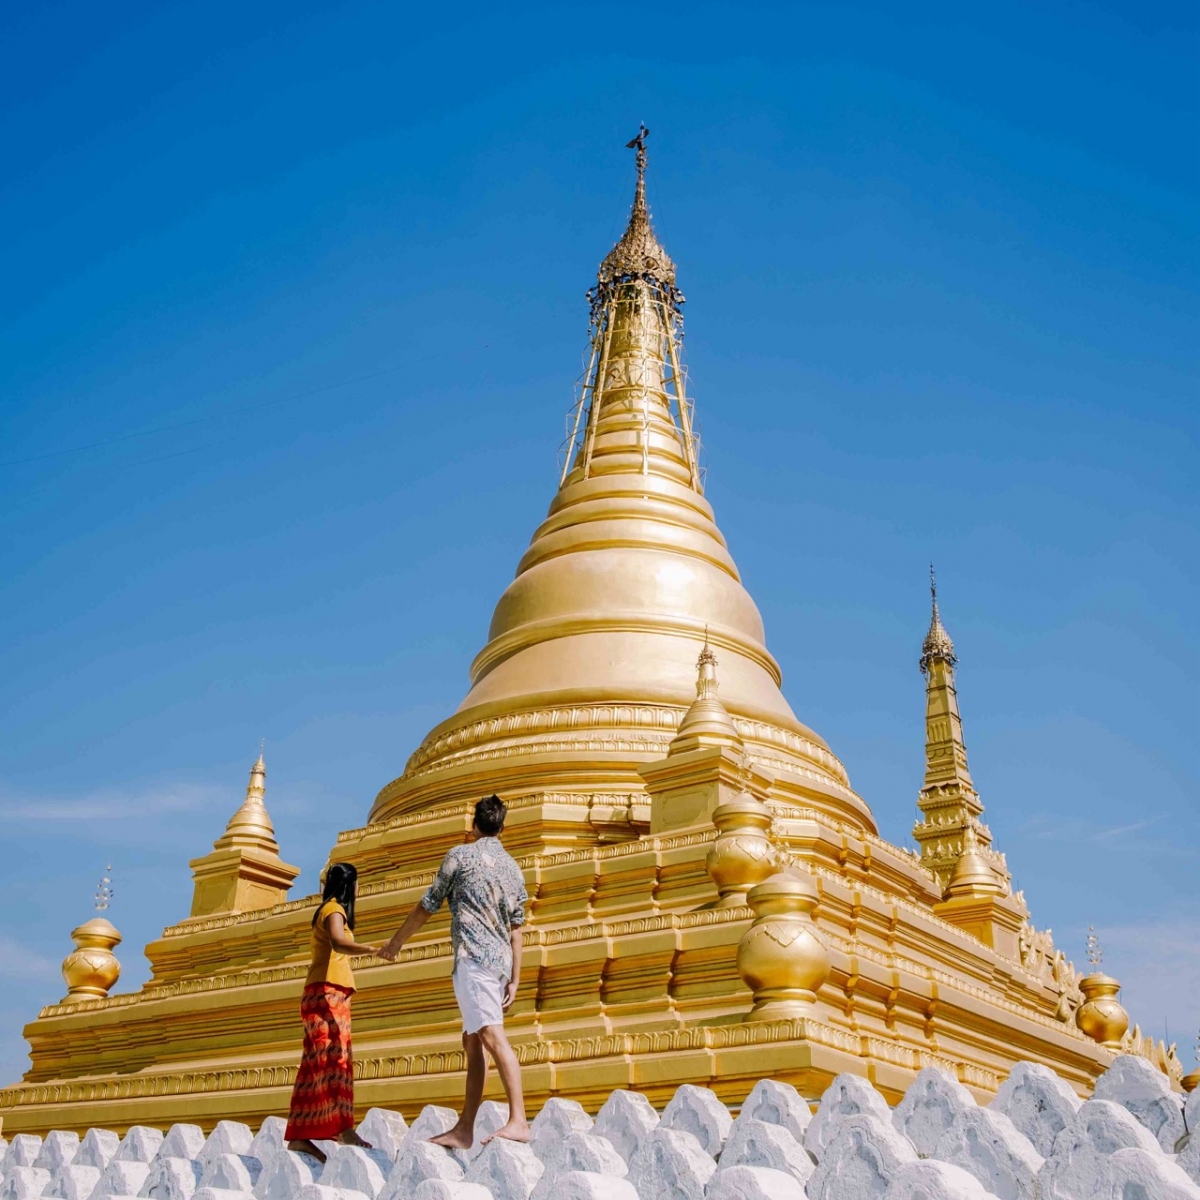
x=639, y=144
x=104, y=891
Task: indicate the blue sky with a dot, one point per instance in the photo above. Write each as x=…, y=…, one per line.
x=293, y=310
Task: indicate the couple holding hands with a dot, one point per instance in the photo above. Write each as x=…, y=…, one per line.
x=486, y=893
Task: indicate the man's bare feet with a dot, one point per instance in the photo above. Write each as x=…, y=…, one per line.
x=349, y=1137
x=304, y=1146
x=456, y=1138
x=514, y=1131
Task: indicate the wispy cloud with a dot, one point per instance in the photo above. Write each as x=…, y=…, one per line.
x=1043, y=828
x=110, y=804
x=18, y=962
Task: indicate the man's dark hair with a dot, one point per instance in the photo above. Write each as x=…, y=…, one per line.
x=489, y=815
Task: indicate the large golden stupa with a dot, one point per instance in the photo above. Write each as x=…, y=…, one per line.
x=710, y=899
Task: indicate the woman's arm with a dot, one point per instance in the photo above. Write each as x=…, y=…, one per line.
x=340, y=939
x=412, y=923
x=517, y=943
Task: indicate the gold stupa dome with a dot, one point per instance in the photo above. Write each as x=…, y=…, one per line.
x=973, y=875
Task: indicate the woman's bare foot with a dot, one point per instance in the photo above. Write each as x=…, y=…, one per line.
x=456, y=1138
x=304, y=1146
x=514, y=1131
x=349, y=1137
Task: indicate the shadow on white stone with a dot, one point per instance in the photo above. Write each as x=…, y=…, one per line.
x=670, y=1164
x=696, y=1110
x=140, y=1144
x=385, y=1130
x=490, y=1117
x=624, y=1119
x=584, y=1152
x=58, y=1149
x=312, y=1191
x=1097, y=1131
x=1189, y=1156
x=989, y=1146
x=929, y=1180
x=212, y=1193
x=560, y=1118
x=929, y=1107
x=23, y=1183
x=74, y=1183
x=227, y=1137
x=286, y=1174
x=98, y=1149
x=354, y=1169
x=1038, y=1103
x=446, y=1189
x=509, y=1170
x=591, y=1185
x=757, y=1144
x=847, y=1096
x=753, y=1183
x=1142, y=1089
x=431, y=1120
x=182, y=1141
x=230, y=1172
x=862, y=1159
x=777, y=1104
x=172, y=1178
x=122, y=1177
x=268, y=1142
x=1135, y=1174
x=23, y=1150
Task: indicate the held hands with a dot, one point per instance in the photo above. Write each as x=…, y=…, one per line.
x=390, y=951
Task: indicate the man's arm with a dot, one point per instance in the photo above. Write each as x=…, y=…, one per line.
x=412, y=923
x=517, y=943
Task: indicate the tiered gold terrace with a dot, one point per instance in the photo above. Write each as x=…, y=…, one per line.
x=583, y=713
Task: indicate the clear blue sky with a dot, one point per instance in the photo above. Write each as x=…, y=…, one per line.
x=321, y=266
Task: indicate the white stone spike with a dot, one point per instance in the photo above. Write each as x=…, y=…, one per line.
x=929, y=1108
x=509, y=1170
x=624, y=1119
x=777, y=1104
x=1038, y=1103
x=753, y=1183
x=698, y=1111
x=670, y=1165
x=757, y=1144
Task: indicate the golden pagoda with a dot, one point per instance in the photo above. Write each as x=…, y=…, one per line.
x=711, y=901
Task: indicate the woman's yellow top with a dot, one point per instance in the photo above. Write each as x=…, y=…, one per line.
x=328, y=964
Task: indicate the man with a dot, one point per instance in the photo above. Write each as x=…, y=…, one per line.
x=487, y=897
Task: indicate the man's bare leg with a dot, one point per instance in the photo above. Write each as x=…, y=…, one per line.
x=495, y=1042
x=461, y=1136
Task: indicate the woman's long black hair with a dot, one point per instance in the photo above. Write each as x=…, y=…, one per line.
x=339, y=885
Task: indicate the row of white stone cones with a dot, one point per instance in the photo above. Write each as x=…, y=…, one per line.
x=1036, y=1140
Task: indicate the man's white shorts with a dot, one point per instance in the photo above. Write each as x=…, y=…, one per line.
x=480, y=995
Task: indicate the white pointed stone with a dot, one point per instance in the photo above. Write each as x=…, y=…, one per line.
x=448, y=1189
x=285, y=1175
x=1189, y=1157
x=172, y=1178
x=624, y=1119
x=71, y=1182
x=212, y=1193
x=313, y=1191
x=3, y=1151
x=1097, y=1131
x=421, y=1160
x=757, y=1144
x=58, y=1149
x=122, y=1177
x=929, y=1180
x=432, y=1120
x=777, y=1104
x=98, y=1149
x=586, y=1153
x=227, y=1137
x=847, y=1096
x=140, y=1144
x=929, y=1107
x=268, y=1142
x=1038, y=1103
x=385, y=1129
x=229, y=1172
x=509, y=1170
x=988, y=1145
x=670, y=1164
x=23, y=1150
x=1142, y=1089
x=560, y=1118
x=1136, y=1174
x=593, y=1185
x=753, y=1183
x=182, y=1141
x=354, y=1169
x=1191, y=1110
x=696, y=1110
x=23, y=1183
x=861, y=1160
x=490, y=1117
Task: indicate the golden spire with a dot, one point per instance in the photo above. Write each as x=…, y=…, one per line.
x=973, y=874
x=638, y=253
x=938, y=646
x=251, y=825
x=707, y=722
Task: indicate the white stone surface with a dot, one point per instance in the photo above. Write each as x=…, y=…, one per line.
x=140, y=1144
x=182, y=1141
x=71, y=1182
x=758, y=1144
x=229, y=1172
x=1142, y=1089
x=98, y=1149
x=592, y=1185
x=23, y=1150
x=172, y=1178
x=227, y=1137
x=847, y=1096
x=1098, y=1130
x=777, y=1104
x=929, y=1180
x=23, y=1183
x=285, y=1175
x=1189, y=1156
x=584, y=1152
x=310, y=1191
x=385, y=1130
x=753, y=1183
x=560, y=1118
x=58, y=1149
x=509, y=1170
x=989, y=1146
x=670, y=1164
x=624, y=1119
x=1191, y=1111
x=1136, y=1174
x=431, y=1120
x=1037, y=1102
x=929, y=1107
x=861, y=1160
x=268, y=1141
x=490, y=1117
x=3, y=1149
x=122, y=1177
x=448, y=1189
x=419, y=1161
x=354, y=1169
x=696, y=1110
x=212, y=1193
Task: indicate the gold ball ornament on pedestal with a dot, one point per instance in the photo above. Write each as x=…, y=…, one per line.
x=92, y=968
x=780, y=957
x=742, y=855
x=1101, y=1015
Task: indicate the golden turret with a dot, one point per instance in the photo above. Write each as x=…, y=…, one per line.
x=244, y=871
x=973, y=874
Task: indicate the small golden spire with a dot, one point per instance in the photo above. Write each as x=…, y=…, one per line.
x=638, y=253
x=973, y=874
x=707, y=722
x=251, y=822
x=937, y=641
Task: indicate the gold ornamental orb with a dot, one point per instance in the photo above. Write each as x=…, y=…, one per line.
x=1101, y=1016
x=780, y=957
x=1190, y=1080
x=742, y=855
x=92, y=968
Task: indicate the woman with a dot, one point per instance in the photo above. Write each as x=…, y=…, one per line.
x=323, y=1098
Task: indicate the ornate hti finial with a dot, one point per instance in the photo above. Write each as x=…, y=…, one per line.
x=104, y=891
x=1101, y=1016
x=938, y=645
x=92, y=967
x=1095, y=955
x=706, y=671
x=638, y=254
